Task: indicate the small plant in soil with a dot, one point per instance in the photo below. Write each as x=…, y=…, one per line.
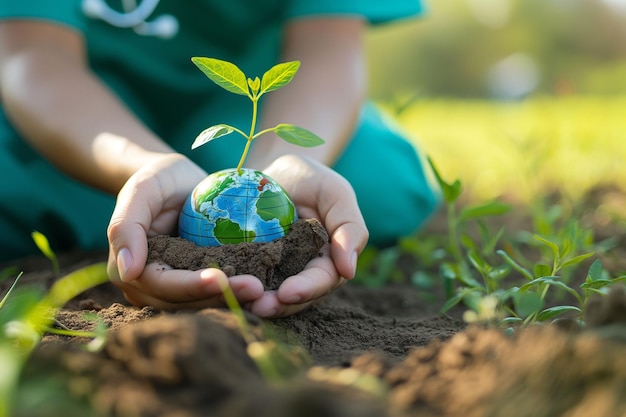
x=27, y=313
x=488, y=278
x=240, y=204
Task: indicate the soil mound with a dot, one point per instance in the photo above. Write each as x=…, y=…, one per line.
x=360, y=352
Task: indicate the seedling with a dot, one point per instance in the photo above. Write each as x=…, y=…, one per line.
x=240, y=204
x=44, y=246
x=486, y=277
x=27, y=313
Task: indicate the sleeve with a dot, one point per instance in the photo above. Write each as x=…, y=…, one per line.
x=66, y=12
x=375, y=11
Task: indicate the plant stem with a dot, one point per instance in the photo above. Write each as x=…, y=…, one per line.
x=255, y=105
x=243, y=156
x=455, y=248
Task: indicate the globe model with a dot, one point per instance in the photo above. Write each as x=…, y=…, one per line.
x=233, y=207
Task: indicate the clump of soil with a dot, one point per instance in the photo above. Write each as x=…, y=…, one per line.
x=271, y=262
x=379, y=352
x=405, y=362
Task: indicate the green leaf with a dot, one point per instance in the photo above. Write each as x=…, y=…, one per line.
x=542, y=270
x=298, y=135
x=448, y=271
x=278, y=76
x=576, y=259
x=595, y=270
x=211, y=133
x=515, y=265
x=455, y=300
x=75, y=283
x=8, y=293
x=451, y=192
x=468, y=242
x=44, y=246
x=64, y=290
x=223, y=73
x=254, y=84
x=553, y=280
x=527, y=303
x=499, y=272
x=551, y=312
x=510, y=320
x=551, y=245
x=493, y=208
x=490, y=242
x=477, y=261
x=470, y=282
x=599, y=283
x=566, y=247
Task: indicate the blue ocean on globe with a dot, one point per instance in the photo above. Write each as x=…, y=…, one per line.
x=233, y=207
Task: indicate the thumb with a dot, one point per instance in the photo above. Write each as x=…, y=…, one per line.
x=128, y=251
x=127, y=233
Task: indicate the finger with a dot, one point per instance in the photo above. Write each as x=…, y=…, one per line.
x=140, y=299
x=148, y=204
x=330, y=198
x=269, y=306
x=175, y=285
x=128, y=228
x=182, y=286
x=346, y=244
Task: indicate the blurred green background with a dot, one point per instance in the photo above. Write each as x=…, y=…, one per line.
x=517, y=98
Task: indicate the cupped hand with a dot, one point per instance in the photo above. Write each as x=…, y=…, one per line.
x=147, y=205
x=321, y=193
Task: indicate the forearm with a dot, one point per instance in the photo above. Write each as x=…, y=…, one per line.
x=324, y=97
x=71, y=118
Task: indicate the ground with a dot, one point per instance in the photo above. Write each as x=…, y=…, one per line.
x=360, y=352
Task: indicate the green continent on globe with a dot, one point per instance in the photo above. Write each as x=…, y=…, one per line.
x=212, y=186
x=232, y=207
x=228, y=228
x=276, y=205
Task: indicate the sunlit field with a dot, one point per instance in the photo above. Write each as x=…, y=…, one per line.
x=523, y=150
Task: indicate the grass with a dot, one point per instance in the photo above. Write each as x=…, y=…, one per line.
x=27, y=313
x=523, y=150
x=514, y=157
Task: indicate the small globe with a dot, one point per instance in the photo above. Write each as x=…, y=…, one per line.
x=231, y=207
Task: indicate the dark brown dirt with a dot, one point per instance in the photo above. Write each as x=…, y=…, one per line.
x=360, y=352
x=271, y=262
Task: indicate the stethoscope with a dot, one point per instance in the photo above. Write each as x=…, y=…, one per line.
x=135, y=16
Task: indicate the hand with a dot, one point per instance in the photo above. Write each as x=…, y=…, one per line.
x=149, y=204
x=318, y=192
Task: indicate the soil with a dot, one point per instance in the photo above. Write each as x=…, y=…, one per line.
x=360, y=352
x=271, y=262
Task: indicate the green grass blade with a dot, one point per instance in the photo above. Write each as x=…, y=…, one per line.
x=6, y=296
x=551, y=312
x=44, y=246
x=63, y=291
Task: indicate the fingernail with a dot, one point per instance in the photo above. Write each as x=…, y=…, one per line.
x=124, y=262
x=294, y=299
x=353, y=260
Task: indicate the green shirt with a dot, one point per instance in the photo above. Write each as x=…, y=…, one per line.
x=155, y=77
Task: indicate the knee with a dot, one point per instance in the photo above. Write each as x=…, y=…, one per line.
x=392, y=183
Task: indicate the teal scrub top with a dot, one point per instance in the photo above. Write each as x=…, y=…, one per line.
x=156, y=79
